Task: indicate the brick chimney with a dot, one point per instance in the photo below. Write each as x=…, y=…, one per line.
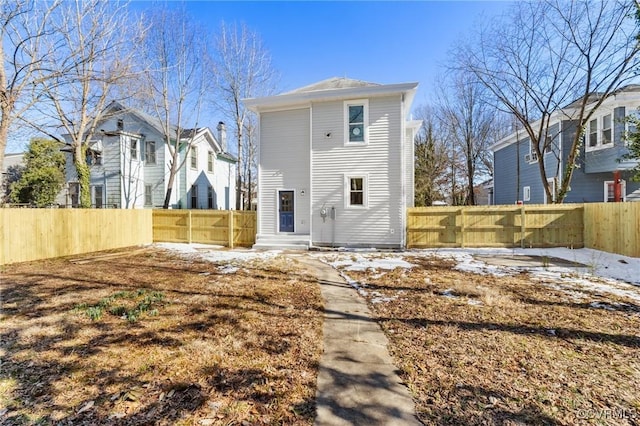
x=222, y=136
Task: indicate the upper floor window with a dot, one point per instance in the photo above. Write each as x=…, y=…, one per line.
x=210, y=160
x=593, y=132
x=150, y=152
x=134, y=149
x=356, y=121
x=600, y=132
x=194, y=157
x=120, y=124
x=94, y=158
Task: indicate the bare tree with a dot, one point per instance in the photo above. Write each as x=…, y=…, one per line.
x=175, y=56
x=244, y=70
x=471, y=123
x=93, y=48
x=431, y=159
x=551, y=54
x=24, y=24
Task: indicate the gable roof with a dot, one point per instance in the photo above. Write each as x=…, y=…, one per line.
x=333, y=83
x=156, y=124
x=335, y=88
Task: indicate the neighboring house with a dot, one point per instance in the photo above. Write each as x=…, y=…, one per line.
x=516, y=171
x=10, y=160
x=129, y=164
x=335, y=164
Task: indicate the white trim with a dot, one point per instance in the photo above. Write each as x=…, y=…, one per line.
x=295, y=206
x=623, y=190
x=347, y=191
x=403, y=173
x=258, y=153
x=293, y=99
x=310, y=173
x=365, y=125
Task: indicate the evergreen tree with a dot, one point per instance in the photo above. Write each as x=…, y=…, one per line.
x=43, y=175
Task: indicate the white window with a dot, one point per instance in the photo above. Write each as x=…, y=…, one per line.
x=599, y=132
x=210, y=160
x=526, y=193
x=194, y=157
x=609, y=191
x=593, y=133
x=356, y=121
x=133, y=149
x=150, y=152
x=356, y=192
x=148, y=195
x=606, y=130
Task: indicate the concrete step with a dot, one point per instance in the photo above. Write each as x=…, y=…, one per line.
x=282, y=242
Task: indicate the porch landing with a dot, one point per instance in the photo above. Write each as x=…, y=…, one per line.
x=283, y=242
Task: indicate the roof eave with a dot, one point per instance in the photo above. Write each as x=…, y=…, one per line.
x=293, y=99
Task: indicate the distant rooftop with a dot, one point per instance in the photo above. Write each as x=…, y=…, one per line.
x=333, y=83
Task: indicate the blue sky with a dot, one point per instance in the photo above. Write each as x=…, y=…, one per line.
x=381, y=42
x=378, y=41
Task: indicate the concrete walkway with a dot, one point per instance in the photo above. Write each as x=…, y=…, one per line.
x=357, y=381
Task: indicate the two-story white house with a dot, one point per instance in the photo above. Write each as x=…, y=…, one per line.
x=335, y=164
x=129, y=165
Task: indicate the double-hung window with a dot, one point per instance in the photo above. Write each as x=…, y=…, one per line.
x=593, y=132
x=356, y=191
x=134, y=149
x=194, y=157
x=356, y=121
x=606, y=129
x=210, y=159
x=150, y=152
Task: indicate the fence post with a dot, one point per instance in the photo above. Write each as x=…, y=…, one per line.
x=230, y=227
x=462, y=226
x=189, y=226
x=523, y=219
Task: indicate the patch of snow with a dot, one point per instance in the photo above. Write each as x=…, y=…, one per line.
x=448, y=293
x=474, y=302
x=228, y=269
x=213, y=253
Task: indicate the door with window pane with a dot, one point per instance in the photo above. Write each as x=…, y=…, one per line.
x=286, y=209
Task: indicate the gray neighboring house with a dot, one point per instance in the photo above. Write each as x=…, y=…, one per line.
x=516, y=172
x=11, y=159
x=129, y=164
x=335, y=164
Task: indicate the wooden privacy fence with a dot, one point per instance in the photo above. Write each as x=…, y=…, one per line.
x=32, y=234
x=222, y=227
x=613, y=227
x=496, y=226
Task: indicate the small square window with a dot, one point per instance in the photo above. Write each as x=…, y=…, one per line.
x=526, y=193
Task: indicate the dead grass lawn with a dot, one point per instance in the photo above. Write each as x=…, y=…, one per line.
x=485, y=350
x=212, y=348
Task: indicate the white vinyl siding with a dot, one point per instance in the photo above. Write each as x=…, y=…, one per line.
x=380, y=160
x=284, y=164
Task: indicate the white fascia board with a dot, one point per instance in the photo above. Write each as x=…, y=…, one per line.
x=414, y=124
x=304, y=98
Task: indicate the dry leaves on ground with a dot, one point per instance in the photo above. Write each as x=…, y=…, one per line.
x=206, y=345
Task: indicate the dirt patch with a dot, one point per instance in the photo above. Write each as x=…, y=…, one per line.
x=485, y=350
x=150, y=338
